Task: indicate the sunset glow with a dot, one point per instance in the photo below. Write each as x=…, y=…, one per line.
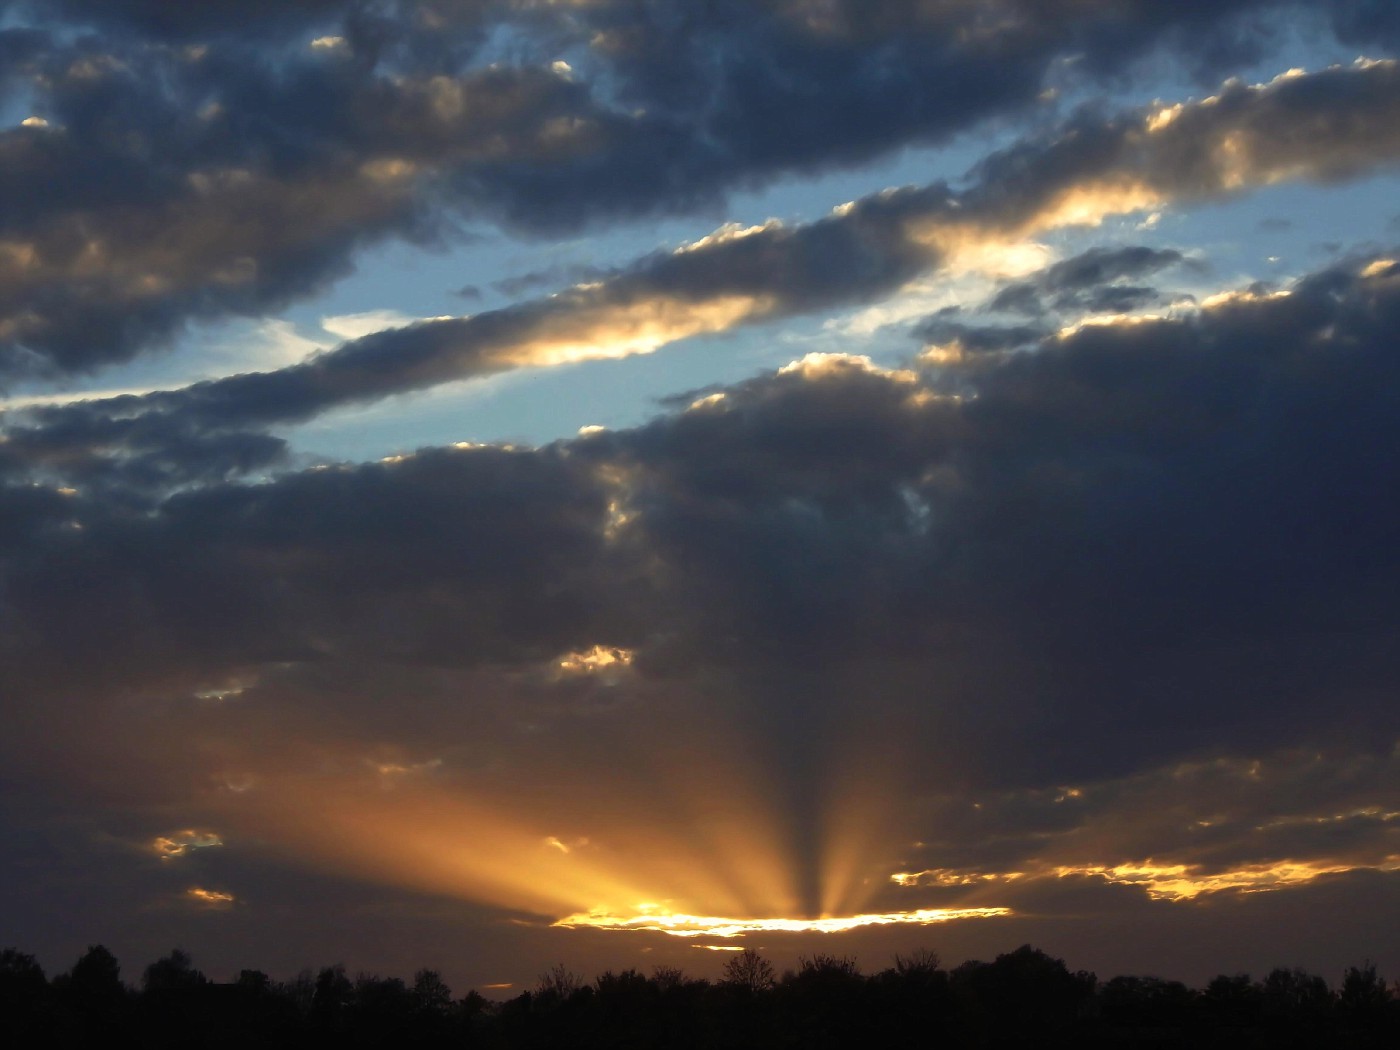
x=1169, y=882
x=711, y=926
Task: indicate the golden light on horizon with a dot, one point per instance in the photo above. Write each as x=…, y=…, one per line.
x=699, y=825
x=438, y=838
x=671, y=810
x=680, y=925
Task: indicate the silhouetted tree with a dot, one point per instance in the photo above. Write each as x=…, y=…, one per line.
x=749, y=971
x=667, y=978
x=1364, y=995
x=300, y=991
x=382, y=1010
x=96, y=975
x=918, y=964
x=913, y=1001
x=91, y=995
x=1024, y=996
x=20, y=976
x=1023, y=999
x=1295, y=997
x=822, y=1004
x=628, y=984
x=174, y=972
x=557, y=984
x=25, y=1001
x=331, y=997
x=430, y=993
x=1146, y=1002
x=828, y=969
x=1233, y=1000
x=254, y=981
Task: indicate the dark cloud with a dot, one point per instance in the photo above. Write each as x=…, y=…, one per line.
x=981, y=338
x=734, y=277
x=206, y=160
x=860, y=253
x=114, y=252
x=1088, y=282
x=553, y=277
x=1206, y=825
x=1019, y=297
x=1138, y=512
x=1367, y=22
x=183, y=21
x=1099, y=266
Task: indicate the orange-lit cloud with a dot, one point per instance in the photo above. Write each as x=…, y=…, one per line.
x=598, y=659
x=603, y=331
x=653, y=919
x=1171, y=882
x=179, y=843
x=210, y=898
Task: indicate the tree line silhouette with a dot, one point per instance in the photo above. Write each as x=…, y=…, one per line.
x=1023, y=998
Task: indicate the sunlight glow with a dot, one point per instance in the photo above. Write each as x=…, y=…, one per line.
x=591, y=661
x=731, y=231
x=1186, y=881
x=210, y=898
x=712, y=926
x=179, y=843
x=609, y=331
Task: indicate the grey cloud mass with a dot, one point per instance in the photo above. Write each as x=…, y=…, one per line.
x=1144, y=539
x=205, y=160
x=1089, y=281
x=1080, y=173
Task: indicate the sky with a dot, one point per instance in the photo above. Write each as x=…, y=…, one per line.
x=488, y=483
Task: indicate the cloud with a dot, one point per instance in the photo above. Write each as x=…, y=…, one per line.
x=1327, y=125
x=1090, y=281
x=1180, y=832
x=578, y=273
x=219, y=16
x=215, y=162
x=211, y=899
x=180, y=843
x=1089, y=586
x=366, y=322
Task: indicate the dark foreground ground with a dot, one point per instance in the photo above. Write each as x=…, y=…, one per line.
x=1023, y=999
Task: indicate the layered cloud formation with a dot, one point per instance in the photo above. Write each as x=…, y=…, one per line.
x=230, y=159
